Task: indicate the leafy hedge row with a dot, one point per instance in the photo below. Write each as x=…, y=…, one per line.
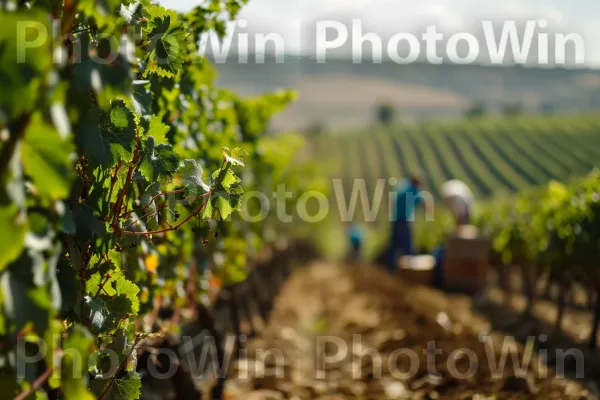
x=553, y=231
x=119, y=163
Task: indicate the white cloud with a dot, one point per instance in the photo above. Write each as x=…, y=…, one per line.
x=386, y=17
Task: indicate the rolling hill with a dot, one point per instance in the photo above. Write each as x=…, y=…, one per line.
x=341, y=94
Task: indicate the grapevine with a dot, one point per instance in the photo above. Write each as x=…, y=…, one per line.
x=122, y=167
x=551, y=231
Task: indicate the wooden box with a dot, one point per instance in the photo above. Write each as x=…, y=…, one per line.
x=466, y=262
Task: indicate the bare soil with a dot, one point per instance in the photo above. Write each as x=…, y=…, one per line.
x=341, y=332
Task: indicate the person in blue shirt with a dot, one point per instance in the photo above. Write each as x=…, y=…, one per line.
x=407, y=198
x=355, y=234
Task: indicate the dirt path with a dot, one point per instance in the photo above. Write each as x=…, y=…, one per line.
x=341, y=333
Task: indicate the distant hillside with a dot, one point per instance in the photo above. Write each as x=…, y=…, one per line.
x=346, y=100
x=339, y=93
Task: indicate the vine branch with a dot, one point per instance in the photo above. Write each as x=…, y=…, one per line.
x=121, y=366
x=174, y=227
x=37, y=384
x=119, y=204
x=154, y=198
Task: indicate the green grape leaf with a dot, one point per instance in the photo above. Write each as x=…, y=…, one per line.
x=222, y=202
x=227, y=195
x=127, y=387
x=96, y=314
x=131, y=13
x=120, y=342
x=167, y=45
x=142, y=97
x=236, y=189
x=26, y=54
x=190, y=174
x=67, y=223
x=88, y=74
x=108, y=138
x=120, y=307
x=117, y=187
x=158, y=130
x=229, y=179
x=46, y=159
x=105, y=315
x=129, y=290
x=115, y=258
x=147, y=201
x=224, y=205
x=12, y=234
x=158, y=162
x=235, y=156
x=115, y=286
x=208, y=211
x=234, y=7
x=87, y=226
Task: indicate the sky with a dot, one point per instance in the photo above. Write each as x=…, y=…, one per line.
x=392, y=16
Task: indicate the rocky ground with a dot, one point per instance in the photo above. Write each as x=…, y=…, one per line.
x=356, y=333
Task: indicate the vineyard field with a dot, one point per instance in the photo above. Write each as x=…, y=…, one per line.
x=491, y=155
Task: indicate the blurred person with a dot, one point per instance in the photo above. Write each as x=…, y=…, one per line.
x=407, y=198
x=459, y=199
x=356, y=236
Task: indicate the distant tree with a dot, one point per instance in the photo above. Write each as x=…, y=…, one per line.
x=315, y=128
x=385, y=114
x=547, y=108
x=477, y=110
x=513, y=109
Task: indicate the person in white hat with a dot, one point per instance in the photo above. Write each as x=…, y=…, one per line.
x=459, y=199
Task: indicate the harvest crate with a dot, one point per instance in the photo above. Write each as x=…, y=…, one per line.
x=417, y=269
x=466, y=261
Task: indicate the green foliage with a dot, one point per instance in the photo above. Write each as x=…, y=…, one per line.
x=115, y=166
x=23, y=68
x=108, y=137
x=166, y=44
x=552, y=227
x=13, y=234
x=477, y=110
x=430, y=234
x=46, y=159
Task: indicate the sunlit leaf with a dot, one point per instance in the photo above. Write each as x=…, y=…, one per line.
x=47, y=161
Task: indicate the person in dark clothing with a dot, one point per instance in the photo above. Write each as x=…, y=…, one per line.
x=407, y=198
